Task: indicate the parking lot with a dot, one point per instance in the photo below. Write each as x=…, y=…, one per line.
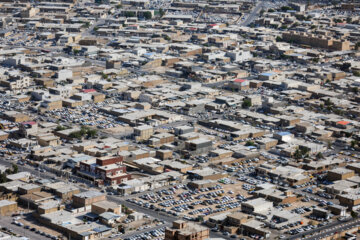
x=19, y=227
x=190, y=204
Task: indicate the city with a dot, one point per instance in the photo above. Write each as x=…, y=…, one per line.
x=179, y=119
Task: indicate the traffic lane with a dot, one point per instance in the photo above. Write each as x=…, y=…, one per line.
x=156, y=214
x=332, y=232
x=6, y=222
x=133, y=234
x=332, y=227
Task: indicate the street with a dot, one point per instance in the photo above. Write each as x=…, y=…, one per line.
x=327, y=230
x=6, y=222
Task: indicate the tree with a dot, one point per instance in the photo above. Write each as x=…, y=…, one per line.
x=130, y=14
x=249, y=143
x=357, y=46
x=161, y=12
x=60, y=128
x=345, y=67
x=319, y=156
x=286, y=8
x=354, y=214
x=118, y=6
x=91, y=133
x=147, y=15
x=328, y=102
x=271, y=10
x=104, y=76
x=167, y=38
x=15, y=168
x=3, y=177
x=355, y=90
x=246, y=103
x=86, y=25
x=278, y=39
x=354, y=143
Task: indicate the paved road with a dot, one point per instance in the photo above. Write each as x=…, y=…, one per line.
x=159, y=215
x=6, y=222
x=133, y=234
x=253, y=14
x=330, y=229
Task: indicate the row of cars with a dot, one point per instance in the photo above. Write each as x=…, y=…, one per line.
x=156, y=234
x=300, y=229
x=35, y=230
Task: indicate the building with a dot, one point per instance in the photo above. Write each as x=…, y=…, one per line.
x=88, y=198
x=257, y=205
x=339, y=174
x=143, y=132
x=7, y=207
x=255, y=227
x=182, y=230
x=105, y=206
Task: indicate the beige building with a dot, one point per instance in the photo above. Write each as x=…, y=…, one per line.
x=181, y=230
x=143, y=132
x=7, y=207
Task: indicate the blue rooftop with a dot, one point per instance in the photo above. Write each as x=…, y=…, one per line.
x=267, y=74
x=284, y=133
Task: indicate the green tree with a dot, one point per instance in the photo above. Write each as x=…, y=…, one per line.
x=249, y=143
x=357, y=46
x=246, y=103
x=86, y=25
x=286, y=8
x=271, y=10
x=60, y=128
x=15, y=168
x=355, y=90
x=345, y=67
x=104, y=76
x=161, y=12
x=130, y=14
x=91, y=133
x=147, y=15
x=278, y=39
x=354, y=214
x=118, y=6
x=319, y=156
x=328, y=102
x=3, y=177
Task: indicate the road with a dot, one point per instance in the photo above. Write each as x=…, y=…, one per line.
x=253, y=14
x=330, y=229
x=168, y=219
x=6, y=222
x=133, y=234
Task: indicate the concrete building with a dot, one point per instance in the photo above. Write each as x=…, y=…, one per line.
x=182, y=230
